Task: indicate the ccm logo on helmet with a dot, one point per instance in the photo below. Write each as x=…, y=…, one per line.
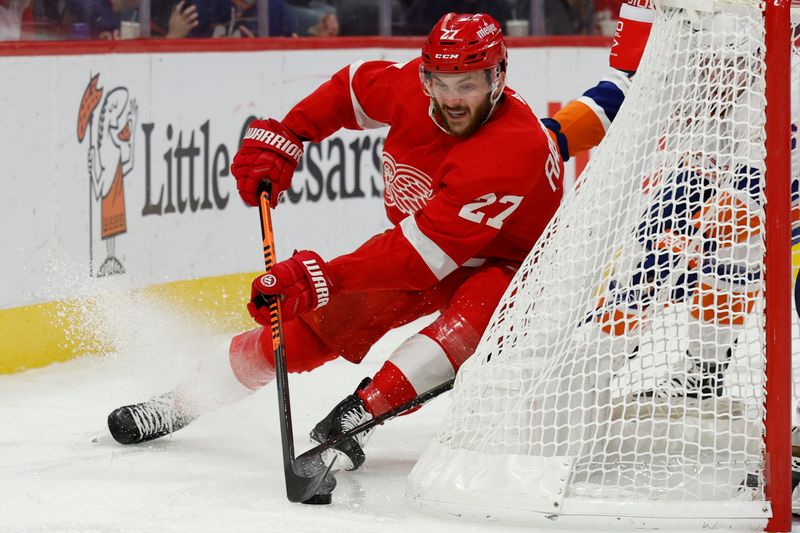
x=489, y=29
x=446, y=56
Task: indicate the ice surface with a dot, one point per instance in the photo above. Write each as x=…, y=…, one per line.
x=60, y=471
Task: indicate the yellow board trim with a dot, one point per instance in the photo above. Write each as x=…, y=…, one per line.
x=795, y=261
x=37, y=335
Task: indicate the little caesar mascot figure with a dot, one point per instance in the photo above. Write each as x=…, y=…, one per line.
x=471, y=180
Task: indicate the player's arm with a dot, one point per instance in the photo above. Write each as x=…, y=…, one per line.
x=422, y=250
x=356, y=97
x=582, y=123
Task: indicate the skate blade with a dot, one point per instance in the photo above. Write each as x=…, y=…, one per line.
x=339, y=460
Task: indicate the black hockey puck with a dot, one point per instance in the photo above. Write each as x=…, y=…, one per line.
x=320, y=499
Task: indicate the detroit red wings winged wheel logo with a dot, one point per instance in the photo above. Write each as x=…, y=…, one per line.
x=406, y=187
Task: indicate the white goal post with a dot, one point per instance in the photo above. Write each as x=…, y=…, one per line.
x=637, y=373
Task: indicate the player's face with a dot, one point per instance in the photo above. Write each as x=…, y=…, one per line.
x=461, y=100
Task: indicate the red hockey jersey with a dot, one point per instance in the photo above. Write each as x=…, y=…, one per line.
x=453, y=201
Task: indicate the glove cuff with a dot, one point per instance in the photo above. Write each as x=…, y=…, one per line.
x=633, y=30
x=315, y=271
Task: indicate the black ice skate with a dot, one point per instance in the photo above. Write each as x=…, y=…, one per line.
x=694, y=384
x=700, y=380
x=146, y=421
x=349, y=413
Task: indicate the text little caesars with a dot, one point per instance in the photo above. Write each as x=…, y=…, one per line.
x=320, y=285
x=278, y=141
x=195, y=165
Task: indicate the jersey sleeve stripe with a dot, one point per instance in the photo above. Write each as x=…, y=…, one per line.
x=437, y=260
x=362, y=119
x=597, y=110
x=423, y=362
x=605, y=98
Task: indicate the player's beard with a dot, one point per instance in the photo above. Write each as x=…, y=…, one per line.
x=476, y=117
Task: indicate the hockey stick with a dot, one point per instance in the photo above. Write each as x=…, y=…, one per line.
x=316, y=451
x=304, y=476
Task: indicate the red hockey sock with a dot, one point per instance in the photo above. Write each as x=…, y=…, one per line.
x=389, y=389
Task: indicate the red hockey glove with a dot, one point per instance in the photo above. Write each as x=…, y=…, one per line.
x=633, y=29
x=269, y=152
x=301, y=281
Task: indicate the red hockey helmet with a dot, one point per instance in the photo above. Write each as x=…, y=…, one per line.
x=461, y=43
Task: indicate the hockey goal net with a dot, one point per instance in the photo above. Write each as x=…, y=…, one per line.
x=637, y=370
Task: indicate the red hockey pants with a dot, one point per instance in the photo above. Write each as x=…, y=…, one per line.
x=352, y=322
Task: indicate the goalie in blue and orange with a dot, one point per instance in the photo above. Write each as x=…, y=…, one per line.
x=703, y=229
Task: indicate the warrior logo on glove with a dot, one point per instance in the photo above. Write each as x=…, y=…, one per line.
x=268, y=280
x=302, y=283
x=270, y=138
x=320, y=282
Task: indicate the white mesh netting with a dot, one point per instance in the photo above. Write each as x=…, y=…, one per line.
x=626, y=361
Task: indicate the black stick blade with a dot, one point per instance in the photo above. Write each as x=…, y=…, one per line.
x=308, y=477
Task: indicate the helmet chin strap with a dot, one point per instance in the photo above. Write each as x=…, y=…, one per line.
x=431, y=106
x=497, y=92
x=432, y=114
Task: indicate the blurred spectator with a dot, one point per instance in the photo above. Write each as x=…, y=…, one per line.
x=183, y=19
x=421, y=15
x=189, y=18
x=75, y=19
x=81, y=19
x=313, y=17
x=245, y=20
x=328, y=26
x=360, y=17
x=563, y=17
x=11, y=18
x=606, y=13
x=104, y=18
x=53, y=19
x=101, y=19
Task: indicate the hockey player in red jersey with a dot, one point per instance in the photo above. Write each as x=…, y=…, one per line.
x=471, y=179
